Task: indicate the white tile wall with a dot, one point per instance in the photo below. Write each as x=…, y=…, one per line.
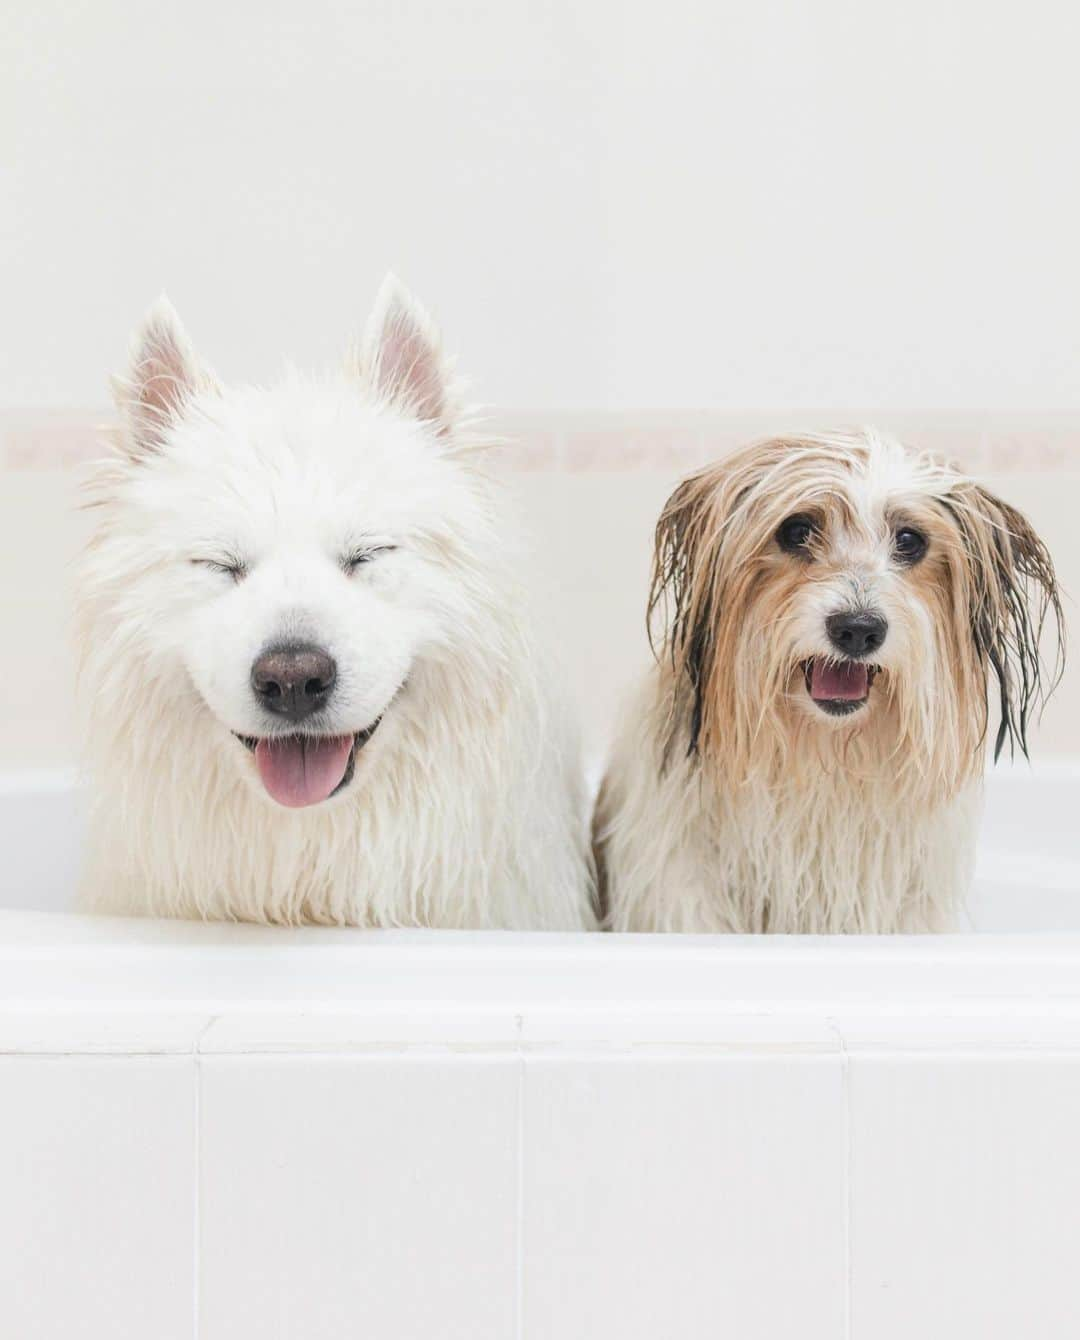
x=965, y=1197
x=684, y=1197
x=346, y=1197
x=97, y=1165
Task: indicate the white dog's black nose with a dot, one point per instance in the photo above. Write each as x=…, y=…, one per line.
x=856, y=634
x=293, y=681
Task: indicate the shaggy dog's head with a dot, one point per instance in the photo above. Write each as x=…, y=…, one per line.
x=841, y=598
x=271, y=567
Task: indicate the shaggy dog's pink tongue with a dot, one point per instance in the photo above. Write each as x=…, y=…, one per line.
x=847, y=681
x=302, y=770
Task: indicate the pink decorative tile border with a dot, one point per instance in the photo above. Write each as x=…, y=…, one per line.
x=667, y=442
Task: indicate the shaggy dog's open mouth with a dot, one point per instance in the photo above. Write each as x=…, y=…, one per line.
x=839, y=688
x=300, y=770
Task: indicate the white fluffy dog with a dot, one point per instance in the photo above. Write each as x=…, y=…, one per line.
x=807, y=754
x=311, y=694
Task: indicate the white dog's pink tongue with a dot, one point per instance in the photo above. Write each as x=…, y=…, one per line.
x=847, y=681
x=302, y=770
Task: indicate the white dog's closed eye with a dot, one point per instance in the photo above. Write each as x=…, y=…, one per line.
x=366, y=553
x=226, y=565
x=827, y=613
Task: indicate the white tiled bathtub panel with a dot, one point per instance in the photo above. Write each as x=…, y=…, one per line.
x=678, y=1194
x=367, y=1194
x=97, y=1170
x=223, y=1132
x=965, y=1194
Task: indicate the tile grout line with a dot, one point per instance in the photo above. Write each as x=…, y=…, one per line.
x=196, y=1199
x=519, y=1284
x=197, y=1203
x=849, y=1180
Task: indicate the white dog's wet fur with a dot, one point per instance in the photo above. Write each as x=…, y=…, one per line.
x=807, y=754
x=311, y=689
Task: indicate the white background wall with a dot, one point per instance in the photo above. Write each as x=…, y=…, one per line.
x=765, y=204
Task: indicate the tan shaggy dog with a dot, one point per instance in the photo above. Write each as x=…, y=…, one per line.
x=829, y=614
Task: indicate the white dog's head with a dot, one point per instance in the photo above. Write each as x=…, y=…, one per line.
x=839, y=594
x=290, y=558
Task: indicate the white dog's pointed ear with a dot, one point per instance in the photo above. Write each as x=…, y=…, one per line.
x=401, y=357
x=162, y=376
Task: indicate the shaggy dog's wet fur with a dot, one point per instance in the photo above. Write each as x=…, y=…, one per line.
x=311, y=689
x=838, y=621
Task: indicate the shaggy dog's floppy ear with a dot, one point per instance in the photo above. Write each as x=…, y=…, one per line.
x=163, y=374
x=1010, y=590
x=684, y=582
x=401, y=357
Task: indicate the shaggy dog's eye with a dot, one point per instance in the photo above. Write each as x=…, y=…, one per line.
x=361, y=556
x=795, y=534
x=909, y=544
x=234, y=568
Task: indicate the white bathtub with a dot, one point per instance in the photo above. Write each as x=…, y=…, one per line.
x=229, y=1132
x=1027, y=879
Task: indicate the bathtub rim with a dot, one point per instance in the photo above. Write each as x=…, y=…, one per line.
x=73, y=984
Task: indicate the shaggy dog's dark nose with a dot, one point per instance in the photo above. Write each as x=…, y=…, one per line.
x=858, y=634
x=293, y=682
